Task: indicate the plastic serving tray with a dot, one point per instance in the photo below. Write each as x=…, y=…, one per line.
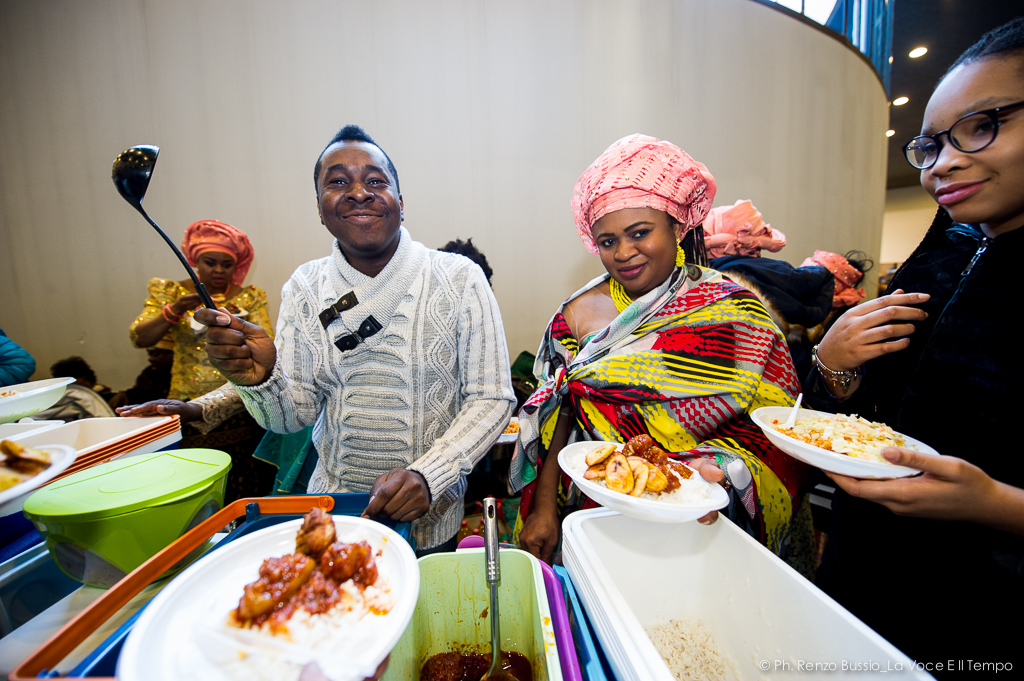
x=255, y=513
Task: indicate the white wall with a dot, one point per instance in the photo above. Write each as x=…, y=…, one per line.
x=908, y=214
x=490, y=111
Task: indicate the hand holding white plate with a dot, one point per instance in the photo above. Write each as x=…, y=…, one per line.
x=705, y=498
x=825, y=459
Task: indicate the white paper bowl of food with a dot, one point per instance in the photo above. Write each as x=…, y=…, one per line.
x=25, y=399
x=694, y=498
x=862, y=441
x=510, y=434
x=17, y=482
x=189, y=632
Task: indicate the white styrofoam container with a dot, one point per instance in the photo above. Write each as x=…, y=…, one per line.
x=87, y=435
x=767, y=619
x=16, y=431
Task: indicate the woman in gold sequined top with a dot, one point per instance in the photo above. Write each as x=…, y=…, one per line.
x=221, y=255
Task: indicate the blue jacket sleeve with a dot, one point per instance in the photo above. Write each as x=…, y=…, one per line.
x=16, y=365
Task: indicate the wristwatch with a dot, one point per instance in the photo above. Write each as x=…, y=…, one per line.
x=842, y=379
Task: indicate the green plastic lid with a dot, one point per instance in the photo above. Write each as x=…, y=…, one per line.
x=126, y=485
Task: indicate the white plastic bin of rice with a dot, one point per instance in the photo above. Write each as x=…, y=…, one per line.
x=767, y=620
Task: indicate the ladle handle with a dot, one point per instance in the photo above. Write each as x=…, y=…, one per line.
x=200, y=288
x=491, y=540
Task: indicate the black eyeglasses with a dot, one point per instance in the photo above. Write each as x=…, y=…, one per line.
x=972, y=133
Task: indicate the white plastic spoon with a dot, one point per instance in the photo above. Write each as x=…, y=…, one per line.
x=792, y=414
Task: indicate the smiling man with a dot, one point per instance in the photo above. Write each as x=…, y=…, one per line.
x=395, y=352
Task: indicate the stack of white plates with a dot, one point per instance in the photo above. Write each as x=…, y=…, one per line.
x=764, y=617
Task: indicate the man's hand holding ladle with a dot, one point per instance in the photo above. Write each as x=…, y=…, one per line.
x=242, y=352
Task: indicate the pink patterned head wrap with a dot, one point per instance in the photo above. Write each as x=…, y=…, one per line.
x=846, y=276
x=209, y=235
x=739, y=229
x=642, y=172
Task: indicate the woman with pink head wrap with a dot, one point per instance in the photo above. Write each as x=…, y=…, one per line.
x=846, y=276
x=221, y=255
x=659, y=347
x=739, y=229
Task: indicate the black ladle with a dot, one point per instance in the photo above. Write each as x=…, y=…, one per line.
x=132, y=169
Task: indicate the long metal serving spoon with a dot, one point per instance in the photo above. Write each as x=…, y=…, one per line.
x=496, y=672
x=131, y=173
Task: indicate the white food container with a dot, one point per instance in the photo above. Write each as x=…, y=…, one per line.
x=16, y=431
x=765, y=618
x=118, y=435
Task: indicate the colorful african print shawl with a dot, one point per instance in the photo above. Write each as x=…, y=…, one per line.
x=685, y=364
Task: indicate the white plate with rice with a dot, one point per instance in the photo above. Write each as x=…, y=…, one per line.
x=694, y=498
x=182, y=633
x=865, y=443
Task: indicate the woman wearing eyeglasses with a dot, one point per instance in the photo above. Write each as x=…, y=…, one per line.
x=934, y=562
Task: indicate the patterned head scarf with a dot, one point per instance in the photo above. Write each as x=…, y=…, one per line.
x=846, y=276
x=739, y=229
x=642, y=172
x=209, y=235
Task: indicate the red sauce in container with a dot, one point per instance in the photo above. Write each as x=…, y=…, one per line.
x=471, y=666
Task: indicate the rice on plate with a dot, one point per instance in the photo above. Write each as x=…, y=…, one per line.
x=842, y=434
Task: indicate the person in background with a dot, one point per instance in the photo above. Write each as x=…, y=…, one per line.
x=16, y=365
x=740, y=229
x=152, y=383
x=394, y=351
x=797, y=298
x=658, y=346
x=848, y=270
x=935, y=562
x=81, y=399
x=221, y=255
x=467, y=249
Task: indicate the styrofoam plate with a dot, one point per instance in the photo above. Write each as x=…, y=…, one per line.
x=31, y=398
x=509, y=438
x=824, y=459
x=167, y=642
x=645, y=509
x=12, y=498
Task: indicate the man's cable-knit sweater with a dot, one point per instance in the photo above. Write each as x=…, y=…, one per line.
x=430, y=392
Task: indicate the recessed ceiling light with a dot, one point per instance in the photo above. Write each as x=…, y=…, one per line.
x=890, y=133
x=900, y=101
x=918, y=52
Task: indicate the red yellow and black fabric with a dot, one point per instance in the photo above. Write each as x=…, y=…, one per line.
x=685, y=364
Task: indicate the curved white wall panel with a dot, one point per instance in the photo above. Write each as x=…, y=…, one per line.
x=489, y=110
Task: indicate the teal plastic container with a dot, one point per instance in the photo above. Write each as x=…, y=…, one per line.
x=451, y=613
x=103, y=522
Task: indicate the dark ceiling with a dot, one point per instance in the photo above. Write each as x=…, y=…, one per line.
x=946, y=28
